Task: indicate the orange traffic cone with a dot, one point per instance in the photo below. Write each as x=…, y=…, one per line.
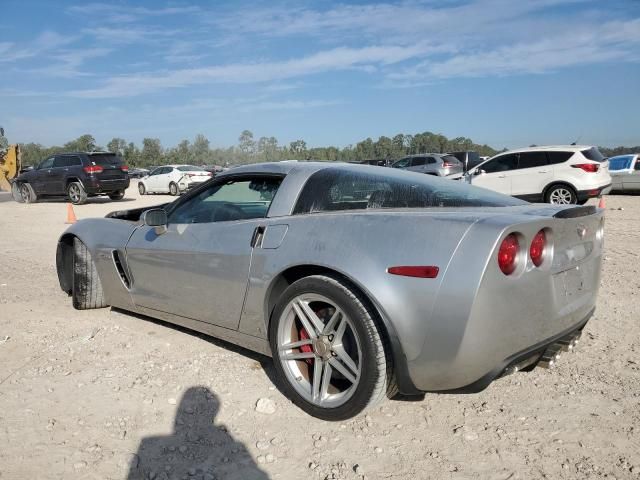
x=601, y=203
x=71, y=216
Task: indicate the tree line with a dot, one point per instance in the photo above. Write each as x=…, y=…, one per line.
x=266, y=149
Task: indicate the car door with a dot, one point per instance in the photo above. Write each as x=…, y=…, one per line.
x=57, y=175
x=41, y=176
x=152, y=180
x=494, y=174
x=418, y=164
x=631, y=181
x=532, y=175
x=199, y=267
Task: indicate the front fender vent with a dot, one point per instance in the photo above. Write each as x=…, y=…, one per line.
x=120, y=268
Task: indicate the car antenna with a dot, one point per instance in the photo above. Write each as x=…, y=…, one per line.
x=578, y=139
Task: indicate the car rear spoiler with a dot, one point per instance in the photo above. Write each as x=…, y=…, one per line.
x=576, y=212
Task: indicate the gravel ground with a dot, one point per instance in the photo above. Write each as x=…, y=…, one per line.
x=107, y=395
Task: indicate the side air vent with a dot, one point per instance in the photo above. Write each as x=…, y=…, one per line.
x=120, y=269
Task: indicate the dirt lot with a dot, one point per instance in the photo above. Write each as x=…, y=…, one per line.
x=106, y=395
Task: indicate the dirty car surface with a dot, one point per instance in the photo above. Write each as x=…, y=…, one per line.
x=359, y=281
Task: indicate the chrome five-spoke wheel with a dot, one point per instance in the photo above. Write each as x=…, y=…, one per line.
x=328, y=348
x=319, y=350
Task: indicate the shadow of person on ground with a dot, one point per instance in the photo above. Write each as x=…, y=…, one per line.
x=198, y=448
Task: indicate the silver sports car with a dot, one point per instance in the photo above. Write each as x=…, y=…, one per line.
x=359, y=281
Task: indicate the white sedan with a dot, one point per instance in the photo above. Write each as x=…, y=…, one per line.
x=172, y=179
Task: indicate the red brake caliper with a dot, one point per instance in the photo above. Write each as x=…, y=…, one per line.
x=303, y=335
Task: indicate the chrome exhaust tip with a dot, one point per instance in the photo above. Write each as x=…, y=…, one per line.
x=550, y=356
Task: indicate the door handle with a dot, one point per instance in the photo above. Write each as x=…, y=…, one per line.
x=258, y=234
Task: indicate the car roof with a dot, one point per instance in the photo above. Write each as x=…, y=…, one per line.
x=552, y=148
x=425, y=154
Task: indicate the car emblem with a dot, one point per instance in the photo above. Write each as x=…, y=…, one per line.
x=582, y=231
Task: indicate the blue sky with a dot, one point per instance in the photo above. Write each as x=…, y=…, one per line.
x=504, y=72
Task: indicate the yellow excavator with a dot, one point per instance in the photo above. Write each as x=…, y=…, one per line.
x=9, y=162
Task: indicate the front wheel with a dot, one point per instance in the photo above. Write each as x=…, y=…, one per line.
x=561, y=195
x=15, y=193
x=141, y=189
x=119, y=195
x=328, y=349
x=87, y=290
x=27, y=193
x=173, y=189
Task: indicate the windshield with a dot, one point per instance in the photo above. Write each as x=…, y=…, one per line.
x=190, y=168
x=593, y=154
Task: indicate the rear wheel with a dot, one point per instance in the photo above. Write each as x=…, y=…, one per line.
x=27, y=193
x=328, y=350
x=76, y=193
x=173, y=189
x=561, y=195
x=119, y=195
x=141, y=189
x=87, y=290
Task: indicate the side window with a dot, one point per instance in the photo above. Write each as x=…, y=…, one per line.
x=60, y=162
x=402, y=163
x=48, y=163
x=431, y=160
x=418, y=161
x=167, y=170
x=558, y=157
x=532, y=159
x=620, y=163
x=155, y=171
x=637, y=167
x=503, y=163
x=74, y=161
x=240, y=199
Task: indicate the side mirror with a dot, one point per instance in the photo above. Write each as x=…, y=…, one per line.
x=156, y=217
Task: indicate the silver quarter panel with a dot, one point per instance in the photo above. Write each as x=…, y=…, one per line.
x=470, y=335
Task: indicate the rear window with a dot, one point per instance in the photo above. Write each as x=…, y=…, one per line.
x=450, y=159
x=190, y=168
x=105, y=159
x=593, y=154
x=332, y=189
x=558, y=157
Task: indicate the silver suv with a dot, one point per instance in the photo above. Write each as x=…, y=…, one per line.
x=439, y=164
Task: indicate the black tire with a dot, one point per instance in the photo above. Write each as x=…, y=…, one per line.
x=76, y=193
x=118, y=195
x=141, y=189
x=561, y=194
x=27, y=193
x=87, y=290
x=173, y=189
x=376, y=381
x=15, y=192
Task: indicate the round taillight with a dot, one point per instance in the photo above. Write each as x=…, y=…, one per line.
x=536, y=251
x=508, y=254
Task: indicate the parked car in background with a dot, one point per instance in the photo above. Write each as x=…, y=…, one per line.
x=625, y=173
x=270, y=257
x=173, y=179
x=562, y=174
x=378, y=162
x=138, y=172
x=439, y=164
x=78, y=175
x=468, y=159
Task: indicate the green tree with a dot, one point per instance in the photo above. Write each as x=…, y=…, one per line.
x=299, y=147
x=200, y=153
x=84, y=143
x=151, y=152
x=117, y=146
x=246, y=142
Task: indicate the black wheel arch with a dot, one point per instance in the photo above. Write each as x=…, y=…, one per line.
x=295, y=273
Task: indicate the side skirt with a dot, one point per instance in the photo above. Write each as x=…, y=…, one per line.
x=250, y=342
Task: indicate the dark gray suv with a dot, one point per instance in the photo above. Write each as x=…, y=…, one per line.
x=76, y=175
x=439, y=164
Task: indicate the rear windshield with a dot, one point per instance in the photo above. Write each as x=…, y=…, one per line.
x=105, y=159
x=190, y=168
x=593, y=154
x=333, y=189
x=450, y=159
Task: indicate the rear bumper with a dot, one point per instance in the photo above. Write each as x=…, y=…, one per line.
x=96, y=187
x=529, y=357
x=593, y=192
